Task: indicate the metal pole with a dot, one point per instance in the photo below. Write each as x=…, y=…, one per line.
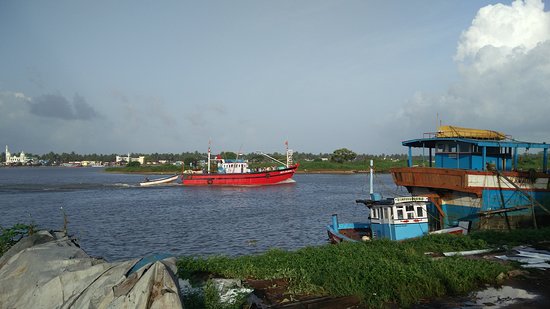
x=545, y=160
x=208, y=157
x=371, y=191
x=484, y=158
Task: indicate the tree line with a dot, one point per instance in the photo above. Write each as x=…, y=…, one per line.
x=339, y=155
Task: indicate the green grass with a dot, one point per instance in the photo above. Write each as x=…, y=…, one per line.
x=379, y=165
x=513, y=238
x=11, y=235
x=378, y=272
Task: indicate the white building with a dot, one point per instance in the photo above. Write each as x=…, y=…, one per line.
x=127, y=159
x=12, y=159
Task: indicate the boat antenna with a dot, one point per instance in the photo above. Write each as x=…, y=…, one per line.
x=239, y=152
x=209, y=144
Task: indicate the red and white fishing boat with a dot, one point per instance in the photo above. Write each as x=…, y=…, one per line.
x=237, y=173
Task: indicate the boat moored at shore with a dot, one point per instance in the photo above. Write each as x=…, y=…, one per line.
x=473, y=175
x=396, y=218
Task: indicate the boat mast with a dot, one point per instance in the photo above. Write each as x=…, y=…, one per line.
x=289, y=153
x=209, y=143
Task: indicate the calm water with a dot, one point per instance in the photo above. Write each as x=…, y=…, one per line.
x=115, y=219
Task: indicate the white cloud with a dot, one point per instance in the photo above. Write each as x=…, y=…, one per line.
x=504, y=62
x=500, y=33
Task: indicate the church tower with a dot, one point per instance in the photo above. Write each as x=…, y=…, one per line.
x=7, y=155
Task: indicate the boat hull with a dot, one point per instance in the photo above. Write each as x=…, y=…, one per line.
x=160, y=181
x=241, y=179
x=479, y=196
x=350, y=232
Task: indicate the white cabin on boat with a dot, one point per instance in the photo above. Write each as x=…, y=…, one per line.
x=232, y=166
x=399, y=218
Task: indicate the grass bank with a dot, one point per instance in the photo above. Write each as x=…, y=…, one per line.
x=356, y=166
x=305, y=167
x=377, y=272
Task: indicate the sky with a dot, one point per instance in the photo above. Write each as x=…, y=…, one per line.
x=170, y=76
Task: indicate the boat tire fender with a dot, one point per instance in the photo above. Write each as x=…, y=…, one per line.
x=209, y=181
x=267, y=175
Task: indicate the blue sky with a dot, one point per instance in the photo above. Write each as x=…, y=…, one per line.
x=167, y=76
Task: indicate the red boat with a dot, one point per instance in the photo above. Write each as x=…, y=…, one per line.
x=237, y=173
x=271, y=177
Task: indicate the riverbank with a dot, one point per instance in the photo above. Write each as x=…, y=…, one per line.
x=378, y=273
x=381, y=273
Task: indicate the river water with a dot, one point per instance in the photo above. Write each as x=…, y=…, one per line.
x=114, y=218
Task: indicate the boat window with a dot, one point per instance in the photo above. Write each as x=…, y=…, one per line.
x=419, y=212
x=464, y=147
x=440, y=147
x=400, y=214
x=410, y=208
x=387, y=213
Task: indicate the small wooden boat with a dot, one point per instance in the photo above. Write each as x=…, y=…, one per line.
x=392, y=218
x=396, y=218
x=355, y=231
x=159, y=181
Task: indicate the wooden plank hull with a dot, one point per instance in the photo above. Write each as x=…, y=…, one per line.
x=353, y=232
x=469, y=194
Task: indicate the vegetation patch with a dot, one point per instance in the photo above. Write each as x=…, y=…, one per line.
x=514, y=237
x=10, y=236
x=377, y=272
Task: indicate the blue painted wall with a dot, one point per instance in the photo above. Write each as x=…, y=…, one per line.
x=400, y=231
x=469, y=161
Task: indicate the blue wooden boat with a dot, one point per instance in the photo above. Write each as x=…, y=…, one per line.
x=474, y=175
x=397, y=218
x=392, y=218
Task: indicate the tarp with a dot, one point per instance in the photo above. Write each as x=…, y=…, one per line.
x=458, y=132
x=49, y=270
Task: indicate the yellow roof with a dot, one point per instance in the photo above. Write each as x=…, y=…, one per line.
x=452, y=131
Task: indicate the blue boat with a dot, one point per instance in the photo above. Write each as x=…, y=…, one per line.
x=397, y=218
x=473, y=175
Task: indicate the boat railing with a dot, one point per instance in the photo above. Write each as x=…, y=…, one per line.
x=430, y=134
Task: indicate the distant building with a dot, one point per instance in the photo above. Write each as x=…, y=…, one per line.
x=128, y=159
x=12, y=159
